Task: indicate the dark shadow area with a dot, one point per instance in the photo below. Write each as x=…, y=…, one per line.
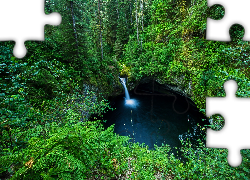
x=156, y=118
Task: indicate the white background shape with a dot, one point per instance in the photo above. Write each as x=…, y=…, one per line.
x=236, y=12
x=235, y=134
x=22, y=20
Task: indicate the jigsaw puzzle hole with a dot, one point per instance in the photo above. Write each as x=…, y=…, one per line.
x=217, y=122
x=236, y=32
x=216, y=12
x=19, y=50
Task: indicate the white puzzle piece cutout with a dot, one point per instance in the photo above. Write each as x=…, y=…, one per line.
x=235, y=134
x=23, y=20
x=236, y=12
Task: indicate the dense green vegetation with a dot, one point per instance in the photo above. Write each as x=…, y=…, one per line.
x=47, y=97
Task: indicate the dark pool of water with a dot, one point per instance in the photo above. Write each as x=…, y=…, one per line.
x=155, y=119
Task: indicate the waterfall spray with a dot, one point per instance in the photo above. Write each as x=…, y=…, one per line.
x=128, y=102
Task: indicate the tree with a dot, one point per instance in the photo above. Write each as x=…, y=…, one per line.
x=74, y=25
x=100, y=25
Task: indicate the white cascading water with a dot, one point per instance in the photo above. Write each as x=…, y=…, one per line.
x=123, y=81
x=129, y=102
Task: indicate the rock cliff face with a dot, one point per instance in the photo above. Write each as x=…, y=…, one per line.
x=178, y=85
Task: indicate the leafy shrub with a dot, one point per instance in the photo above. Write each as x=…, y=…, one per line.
x=74, y=151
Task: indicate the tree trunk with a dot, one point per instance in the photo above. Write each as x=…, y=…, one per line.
x=141, y=43
x=141, y=14
x=136, y=18
x=126, y=21
x=141, y=4
x=100, y=24
x=130, y=8
x=74, y=25
x=117, y=8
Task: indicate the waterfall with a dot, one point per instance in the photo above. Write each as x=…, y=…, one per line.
x=132, y=103
x=123, y=82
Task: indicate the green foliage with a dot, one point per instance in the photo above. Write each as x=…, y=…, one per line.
x=216, y=12
x=85, y=150
x=28, y=107
x=73, y=151
x=46, y=98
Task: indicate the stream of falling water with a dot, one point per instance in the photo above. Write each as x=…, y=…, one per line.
x=128, y=102
x=123, y=82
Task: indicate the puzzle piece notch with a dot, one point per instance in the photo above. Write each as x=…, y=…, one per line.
x=235, y=134
x=236, y=12
x=26, y=23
